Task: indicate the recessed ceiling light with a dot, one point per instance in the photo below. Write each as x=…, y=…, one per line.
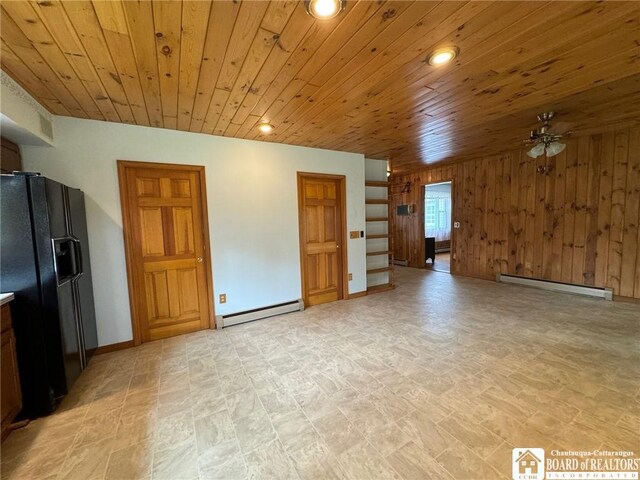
x=324, y=8
x=265, y=127
x=442, y=56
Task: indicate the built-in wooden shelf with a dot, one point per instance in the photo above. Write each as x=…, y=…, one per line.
x=384, y=252
x=379, y=270
x=381, y=235
x=375, y=215
x=374, y=183
x=380, y=288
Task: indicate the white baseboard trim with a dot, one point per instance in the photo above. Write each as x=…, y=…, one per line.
x=605, y=293
x=258, y=313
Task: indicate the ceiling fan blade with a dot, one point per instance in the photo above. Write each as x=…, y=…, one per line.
x=560, y=128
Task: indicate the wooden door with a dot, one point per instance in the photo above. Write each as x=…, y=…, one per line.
x=321, y=217
x=166, y=237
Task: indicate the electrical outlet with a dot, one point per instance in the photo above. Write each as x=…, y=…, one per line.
x=354, y=234
x=223, y=298
x=350, y=276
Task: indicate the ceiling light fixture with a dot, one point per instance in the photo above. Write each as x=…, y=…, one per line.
x=324, y=9
x=442, y=56
x=265, y=127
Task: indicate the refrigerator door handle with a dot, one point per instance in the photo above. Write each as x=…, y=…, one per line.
x=77, y=253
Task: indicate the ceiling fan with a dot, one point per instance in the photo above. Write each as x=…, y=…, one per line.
x=546, y=138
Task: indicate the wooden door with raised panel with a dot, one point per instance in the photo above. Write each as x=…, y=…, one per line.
x=166, y=240
x=320, y=204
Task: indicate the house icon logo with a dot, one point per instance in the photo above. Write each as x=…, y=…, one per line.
x=528, y=463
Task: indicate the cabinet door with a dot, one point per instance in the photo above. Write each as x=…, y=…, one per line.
x=10, y=396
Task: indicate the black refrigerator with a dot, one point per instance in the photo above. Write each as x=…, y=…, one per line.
x=45, y=262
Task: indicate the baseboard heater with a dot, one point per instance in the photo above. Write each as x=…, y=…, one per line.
x=605, y=293
x=258, y=313
x=402, y=263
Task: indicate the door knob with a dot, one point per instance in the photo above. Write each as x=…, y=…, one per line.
x=200, y=259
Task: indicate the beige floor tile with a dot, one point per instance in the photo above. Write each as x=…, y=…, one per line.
x=425, y=434
x=446, y=368
x=214, y=430
x=413, y=463
x=174, y=429
x=315, y=461
x=174, y=401
x=135, y=428
x=45, y=467
x=553, y=406
x=363, y=461
x=87, y=462
x=462, y=463
x=178, y=462
x=225, y=462
x=471, y=434
x=130, y=463
x=205, y=403
x=278, y=403
x=295, y=431
x=337, y=432
x=270, y=461
x=253, y=431
x=98, y=427
x=244, y=402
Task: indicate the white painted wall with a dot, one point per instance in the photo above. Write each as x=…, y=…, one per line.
x=252, y=203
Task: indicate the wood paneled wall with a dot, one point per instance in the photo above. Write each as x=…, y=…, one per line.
x=576, y=222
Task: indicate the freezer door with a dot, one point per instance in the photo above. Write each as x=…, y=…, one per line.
x=19, y=274
x=78, y=223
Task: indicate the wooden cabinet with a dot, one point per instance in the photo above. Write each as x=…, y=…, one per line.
x=11, y=397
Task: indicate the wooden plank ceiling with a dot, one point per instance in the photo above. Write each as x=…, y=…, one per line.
x=359, y=82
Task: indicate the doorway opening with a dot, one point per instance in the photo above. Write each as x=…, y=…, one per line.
x=437, y=226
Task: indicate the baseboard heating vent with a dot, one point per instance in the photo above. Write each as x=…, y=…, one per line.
x=402, y=263
x=605, y=293
x=258, y=313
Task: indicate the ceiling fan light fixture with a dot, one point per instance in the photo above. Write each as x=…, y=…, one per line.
x=554, y=148
x=324, y=9
x=442, y=56
x=536, y=151
x=265, y=127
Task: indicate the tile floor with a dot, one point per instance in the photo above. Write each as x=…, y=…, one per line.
x=442, y=263
x=437, y=379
